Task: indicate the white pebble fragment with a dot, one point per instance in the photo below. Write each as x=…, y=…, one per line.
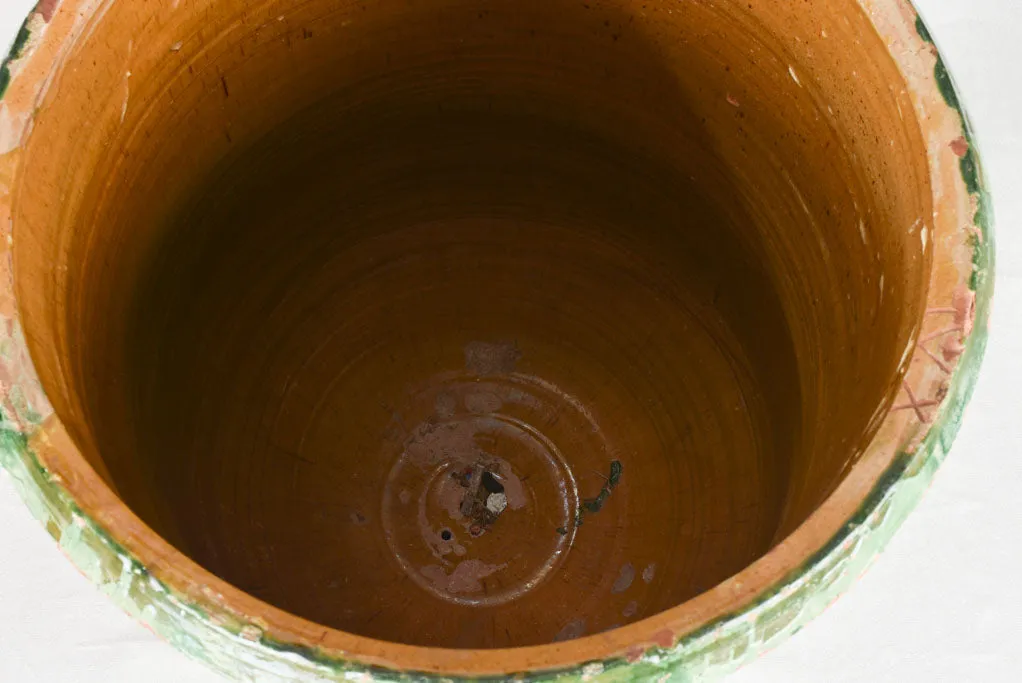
x=496, y=503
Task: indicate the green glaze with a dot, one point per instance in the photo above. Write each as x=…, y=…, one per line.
x=241, y=650
x=5, y=67
x=972, y=171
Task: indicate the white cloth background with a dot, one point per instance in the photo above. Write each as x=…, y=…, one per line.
x=944, y=602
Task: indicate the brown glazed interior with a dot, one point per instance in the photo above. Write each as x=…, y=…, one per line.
x=300, y=277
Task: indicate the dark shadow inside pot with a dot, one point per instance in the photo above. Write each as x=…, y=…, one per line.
x=476, y=325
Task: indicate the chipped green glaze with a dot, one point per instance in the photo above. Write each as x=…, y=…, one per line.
x=972, y=171
x=240, y=649
x=5, y=67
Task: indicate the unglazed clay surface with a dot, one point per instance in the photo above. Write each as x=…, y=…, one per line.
x=482, y=328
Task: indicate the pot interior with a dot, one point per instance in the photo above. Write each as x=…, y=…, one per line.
x=473, y=324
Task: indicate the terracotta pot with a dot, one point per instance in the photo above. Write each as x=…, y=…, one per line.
x=462, y=339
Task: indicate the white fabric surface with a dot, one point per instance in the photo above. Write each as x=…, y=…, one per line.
x=944, y=602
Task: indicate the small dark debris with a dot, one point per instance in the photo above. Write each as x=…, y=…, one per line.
x=463, y=477
x=615, y=473
x=594, y=505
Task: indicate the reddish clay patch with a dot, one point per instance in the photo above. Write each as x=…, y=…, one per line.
x=664, y=638
x=46, y=8
x=960, y=146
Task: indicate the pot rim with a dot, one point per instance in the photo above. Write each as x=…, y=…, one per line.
x=709, y=635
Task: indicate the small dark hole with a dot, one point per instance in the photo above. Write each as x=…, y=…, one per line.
x=491, y=484
x=446, y=535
